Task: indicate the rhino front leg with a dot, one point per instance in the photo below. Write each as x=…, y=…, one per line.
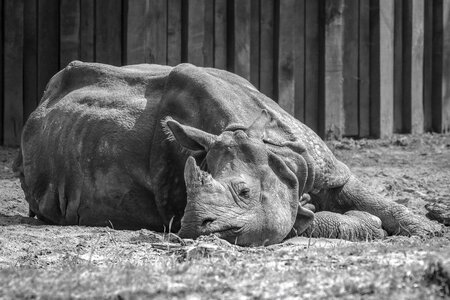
x=396, y=219
x=352, y=225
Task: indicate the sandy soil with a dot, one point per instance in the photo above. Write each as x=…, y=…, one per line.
x=411, y=170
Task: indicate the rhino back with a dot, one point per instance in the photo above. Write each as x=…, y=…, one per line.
x=86, y=147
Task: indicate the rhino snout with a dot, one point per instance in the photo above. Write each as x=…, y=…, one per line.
x=192, y=225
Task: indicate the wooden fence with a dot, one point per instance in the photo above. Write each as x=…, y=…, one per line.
x=344, y=67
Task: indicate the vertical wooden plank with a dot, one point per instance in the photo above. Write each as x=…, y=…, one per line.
x=446, y=70
x=364, y=68
x=242, y=36
x=413, y=15
x=209, y=34
x=286, y=82
x=254, y=41
x=30, y=96
x=299, y=60
x=13, y=68
x=174, y=32
x=334, y=71
x=200, y=33
x=350, y=67
x=48, y=42
x=266, y=45
x=108, y=31
x=137, y=14
x=196, y=31
x=156, y=37
x=427, y=65
x=1, y=72
x=381, y=67
x=220, y=34
x=441, y=61
x=69, y=31
x=87, y=24
x=398, y=66
x=312, y=72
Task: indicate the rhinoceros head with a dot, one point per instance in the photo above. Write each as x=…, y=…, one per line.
x=241, y=192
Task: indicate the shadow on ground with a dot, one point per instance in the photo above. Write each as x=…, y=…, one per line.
x=6, y=220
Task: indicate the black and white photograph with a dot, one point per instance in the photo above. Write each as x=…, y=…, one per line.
x=224, y=149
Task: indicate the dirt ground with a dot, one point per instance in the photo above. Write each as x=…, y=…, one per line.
x=42, y=261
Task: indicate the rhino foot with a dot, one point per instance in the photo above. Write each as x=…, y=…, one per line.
x=352, y=225
x=416, y=225
x=396, y=219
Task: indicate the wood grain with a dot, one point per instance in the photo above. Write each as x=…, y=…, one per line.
x=1, y=73
x=381, y=67
x=69, y=32
x=398, y=66
x=242, y=37
x=137, y=21
x=334, y=71
x=48, y=42
x=200, y=32
x=364, y=68
x=415, y=104
x=30, y=95
x=108, y=31
x=87, y=23
x=428, y=65
x=156, y=32
x=255, y=9
x=13, y=70
x=267, y=44
x=441, y=61
x=286, y=81
x=220, y=34
x=312, y=65
x=350, y=67
x=299, y=60
x=173, y=32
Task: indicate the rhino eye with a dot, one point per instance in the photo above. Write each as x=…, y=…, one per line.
x=244, y=193
x=242, y=190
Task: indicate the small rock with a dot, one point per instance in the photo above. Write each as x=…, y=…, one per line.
x=438, y=273
x=439, y=211
x=401, y=141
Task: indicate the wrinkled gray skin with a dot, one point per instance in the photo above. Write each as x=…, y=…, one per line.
x=196, y=150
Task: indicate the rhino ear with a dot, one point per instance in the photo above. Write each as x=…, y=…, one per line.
x=304, y=219
x=256, y=130
x=301, y=217
x=188, y=137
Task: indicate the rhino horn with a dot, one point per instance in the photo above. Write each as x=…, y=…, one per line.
x=195, y=177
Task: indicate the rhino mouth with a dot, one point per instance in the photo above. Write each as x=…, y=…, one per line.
x=227, y=231
x=193, y=228
x=222, y=231
x=229, y=234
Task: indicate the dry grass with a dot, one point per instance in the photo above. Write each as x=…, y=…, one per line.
x=113, y=266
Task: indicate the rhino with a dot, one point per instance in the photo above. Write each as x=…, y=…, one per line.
x=192, y=150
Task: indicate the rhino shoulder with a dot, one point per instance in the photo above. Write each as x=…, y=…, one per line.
x=329, y=172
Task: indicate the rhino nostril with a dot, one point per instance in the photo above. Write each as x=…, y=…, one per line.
x=207, y=222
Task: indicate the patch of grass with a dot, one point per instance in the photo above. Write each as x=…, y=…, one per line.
x=212, y=268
